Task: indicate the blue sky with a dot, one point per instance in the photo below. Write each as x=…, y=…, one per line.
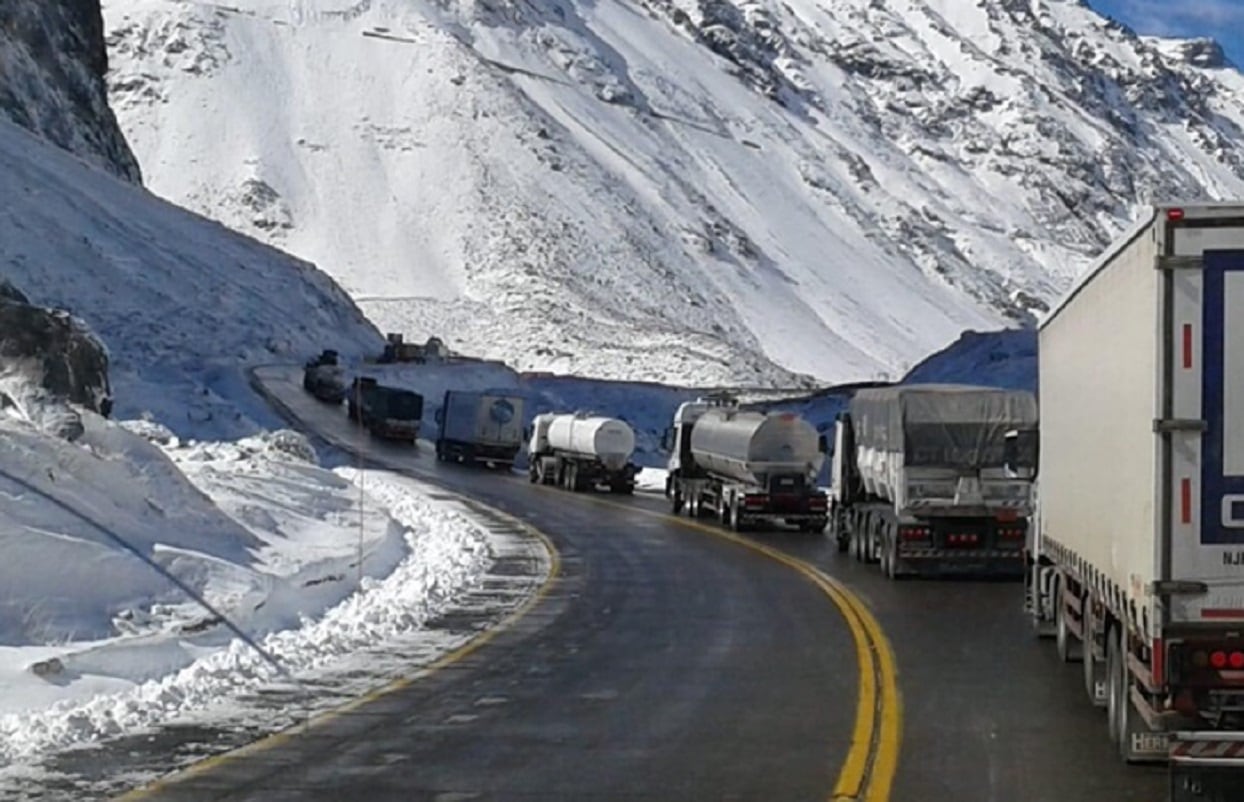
x=1221, y=19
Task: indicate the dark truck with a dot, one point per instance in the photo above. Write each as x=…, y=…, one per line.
x=389, y=412
x=322, y=377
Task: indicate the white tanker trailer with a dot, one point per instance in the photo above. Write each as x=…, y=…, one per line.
x=581, y=452
x=745, y=468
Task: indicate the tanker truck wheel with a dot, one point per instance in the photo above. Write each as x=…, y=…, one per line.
x=676, y=501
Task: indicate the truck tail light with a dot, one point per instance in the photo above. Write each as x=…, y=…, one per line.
x=1011, y=533
x=961, y=539
x=817, y=503
x=1174, y=215
x=909, y=533
x=755, y=501
x=1209, y=664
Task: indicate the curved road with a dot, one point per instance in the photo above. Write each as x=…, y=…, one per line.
x=657, y=666
x=666, y=664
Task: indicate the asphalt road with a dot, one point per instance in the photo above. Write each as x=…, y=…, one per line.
x=657, y=666
x=666, y=664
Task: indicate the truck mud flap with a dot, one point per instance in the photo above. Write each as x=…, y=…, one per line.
x=1205, y=766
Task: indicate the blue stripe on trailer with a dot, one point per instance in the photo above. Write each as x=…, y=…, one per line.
x=1214, y=485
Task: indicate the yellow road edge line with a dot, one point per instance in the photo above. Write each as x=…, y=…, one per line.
x=462, y=652
x=875, y=658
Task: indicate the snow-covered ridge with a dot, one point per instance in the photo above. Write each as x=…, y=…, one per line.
x=52, y=65
x=697, y=191
x=181, y=303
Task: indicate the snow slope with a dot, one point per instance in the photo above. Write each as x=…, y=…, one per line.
x=52, y=66
x=268, y=538
x=694, y=191
x=182, y=304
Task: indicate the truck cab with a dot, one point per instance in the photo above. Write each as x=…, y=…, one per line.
x=677, y=439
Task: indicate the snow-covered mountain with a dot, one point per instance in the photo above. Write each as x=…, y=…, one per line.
x=182, y=303
x=694, y=190
x=52, y=67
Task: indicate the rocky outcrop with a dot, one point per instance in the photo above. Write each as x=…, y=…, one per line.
x=52, y=66
x=49, y=363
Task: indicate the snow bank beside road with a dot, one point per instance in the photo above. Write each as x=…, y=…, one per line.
x=266, y=536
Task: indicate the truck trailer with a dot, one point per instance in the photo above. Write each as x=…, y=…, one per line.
x=582, y=452
x=745, y=468
x=1138, y=559
x=390, y=412
x=480, y=427
x=921, y=481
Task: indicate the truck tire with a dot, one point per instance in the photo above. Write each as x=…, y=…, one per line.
x=676, y=500
x=1069, y=648
x=1125, y=721
x=1094, y=669
x=1116, y=685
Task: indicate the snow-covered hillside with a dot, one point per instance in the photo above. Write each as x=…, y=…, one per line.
x=182, y=304
x=52, y=66
x=687, y=190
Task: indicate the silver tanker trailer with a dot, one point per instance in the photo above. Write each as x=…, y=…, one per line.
x=745, y=468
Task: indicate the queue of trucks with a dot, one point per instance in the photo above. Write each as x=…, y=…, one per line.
x=1121, y=504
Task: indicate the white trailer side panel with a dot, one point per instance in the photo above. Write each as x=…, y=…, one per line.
x=1098, y=360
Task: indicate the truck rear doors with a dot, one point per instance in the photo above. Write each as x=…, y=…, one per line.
x=1204, y=418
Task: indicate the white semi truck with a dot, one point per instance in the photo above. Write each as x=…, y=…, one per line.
x=745, y=468
x=582, y=452
x=921, y=481
x=1138, y=559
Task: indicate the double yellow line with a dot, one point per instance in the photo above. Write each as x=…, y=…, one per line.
x=867, y=774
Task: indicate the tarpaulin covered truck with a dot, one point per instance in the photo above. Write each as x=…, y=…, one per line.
x=930, y=478
x=1138, y=559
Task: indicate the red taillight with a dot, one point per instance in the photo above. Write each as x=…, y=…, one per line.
x=755, y=501
x=963, y=539
x=1218, y=659
x=1236, y=660
x=1174, y=215
x=914, y=533
x=1011, y=534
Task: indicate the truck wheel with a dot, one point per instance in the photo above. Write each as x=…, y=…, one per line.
x=1123, y=719
x=1070, y=650
x=1095, y=681
x=676, y=501
x=734, y=523
x=1116, y=685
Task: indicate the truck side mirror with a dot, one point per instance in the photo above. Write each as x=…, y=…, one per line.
x=667, y=439
x=1019, y=454
x=822, y=445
